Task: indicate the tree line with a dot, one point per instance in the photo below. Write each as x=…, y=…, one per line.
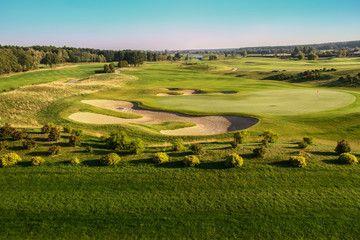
x=20, y=59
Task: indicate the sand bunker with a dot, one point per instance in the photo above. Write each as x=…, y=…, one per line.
x=189, y=92
x=205, y=125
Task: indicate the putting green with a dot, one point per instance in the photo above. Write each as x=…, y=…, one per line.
x=269, y=102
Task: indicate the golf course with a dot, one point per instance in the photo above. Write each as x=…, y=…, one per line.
x=203, y=102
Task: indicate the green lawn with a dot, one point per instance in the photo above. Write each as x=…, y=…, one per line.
x=263, y=199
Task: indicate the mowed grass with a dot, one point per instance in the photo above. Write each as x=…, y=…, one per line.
x=262, y=102
x=264, y=199
x=44, y=76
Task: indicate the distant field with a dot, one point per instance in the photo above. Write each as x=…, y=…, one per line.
x=49, y=75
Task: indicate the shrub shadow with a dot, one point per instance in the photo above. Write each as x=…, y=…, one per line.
x=24, y=164
x=324, y=153
x=92, y=163
x=141, y=161
x=333, y=162
x=284, y=164
x=35, y=154
x=212, y=165
x=175, y=164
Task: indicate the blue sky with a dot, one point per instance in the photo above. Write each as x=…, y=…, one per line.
x=173, y=24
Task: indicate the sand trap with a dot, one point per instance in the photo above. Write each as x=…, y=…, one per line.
x=189, y=92
x=234, y=69
x=205, y=125
x=74, y=80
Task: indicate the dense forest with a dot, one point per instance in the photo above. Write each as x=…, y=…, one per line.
x=19, y=59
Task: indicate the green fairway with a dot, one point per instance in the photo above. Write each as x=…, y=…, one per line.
x=43, y=76
x=262, y=102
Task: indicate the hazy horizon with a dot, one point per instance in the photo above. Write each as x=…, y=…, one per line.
x=177, y=25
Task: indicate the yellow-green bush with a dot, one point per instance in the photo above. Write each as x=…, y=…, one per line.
x=110, y=159
x=37, y=161
x=191, y=161
x=74, y=161
x=9, y=159
x=160, y=157
x=297, y=161
x=54, y=150
x=178, y=145
x=234, y=160
x=348, y=158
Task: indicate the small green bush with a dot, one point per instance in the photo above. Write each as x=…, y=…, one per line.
x=9, y=159
x=348, y=158
x=47, y=127
x=6, y=130
x=260, y=152
x=234, y=144
x=241, y=136
x=297, y=161
x=309, y=140
x=4, y=145
x=342, y=146
x=136, y=146
x=160, y=157
x=54, y=134
x=37, y=161
x=77, y=132
x=191, y=161
x=118, y=141
x=234, y=160
x=29, y=144
x=54, y=150
x=269, y=137
x=74, y=161
x=18, y=135
x=178, y=145
x=197, y=149
x=110, y=159
x=89, y=149
x=67, y=128
x=74, y=140
x=303, y=144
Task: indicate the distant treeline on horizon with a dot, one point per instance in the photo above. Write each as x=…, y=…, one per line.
x=21, y=59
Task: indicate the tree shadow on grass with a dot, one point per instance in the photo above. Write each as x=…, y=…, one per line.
x=212, y=165
x=179, y=154
x=92, y=163
x=141, y=161
x=16, y=148
x=24, y=164
x=175, y=164
x=333, y=162
x=38, y=153
x=283, y=164
x=324, y=153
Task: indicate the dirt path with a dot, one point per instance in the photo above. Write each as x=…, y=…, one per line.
x=205, y=125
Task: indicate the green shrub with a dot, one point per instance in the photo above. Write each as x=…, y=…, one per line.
x=123, y=64
x=136, y=146
x=74, y=161
x=118, y=141
x=342, y=146
x=77, y=132
x=260, y=152
x=54, y=134
x=309, y=140
x=303, y=144
x=348, y=158
x=9, y=159
x=89, y=149
x=6, y=130
x=47, y=127
x=178, y=145
x=241, y=136
x=234, y=160
x=4, y=145
x=197, y=149
x=18, y=135
x=74, y=140
x=54, y=150
x=269, y=137
x=37, y=161
x=234, y=144
x=67, y=128
x=29, y=144
x=297, y=161
x=110, y=159
x=161, y=157
x=191, y=161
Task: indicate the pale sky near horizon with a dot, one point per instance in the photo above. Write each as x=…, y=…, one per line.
x=172, y=24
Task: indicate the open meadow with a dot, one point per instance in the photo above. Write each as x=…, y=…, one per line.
x=200, y=102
